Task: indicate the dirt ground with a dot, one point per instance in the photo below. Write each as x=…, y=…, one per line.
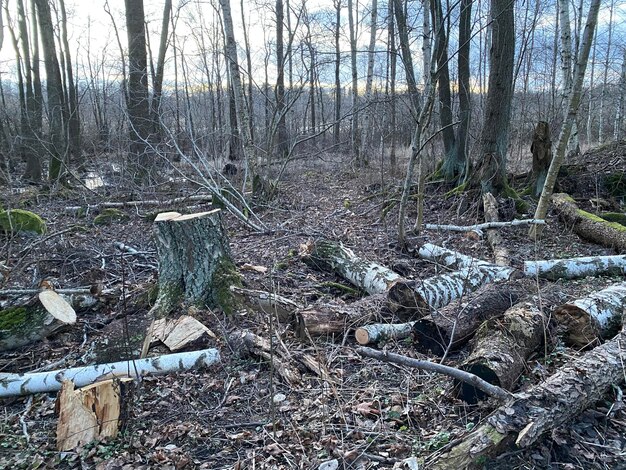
x=239, y=414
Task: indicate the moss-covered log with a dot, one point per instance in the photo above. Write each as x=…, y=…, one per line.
x=599, y=315
x=371, y=277
x=452, y=326
x=195, y=265
x=546, y=406
x=19, y=220
x=573, y=268
x=501, y=347
x=589, y=226
x=42, y=316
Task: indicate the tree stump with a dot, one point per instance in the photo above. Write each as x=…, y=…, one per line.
x=195, y=264
x=541, y=149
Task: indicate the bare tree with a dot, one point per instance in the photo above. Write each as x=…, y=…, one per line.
x=365, y=128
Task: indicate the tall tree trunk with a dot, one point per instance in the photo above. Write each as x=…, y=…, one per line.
x=246, y=42
x=494, y=139
x=620, y=119
x=465, y=92
x=607, y=66
x=393, y=61
x=282, y=139
x=365, y=128
x=567, y=69
x=157, y=86
x=406, y=55
x=354, y=130
x=336, y=135
x=73, y=117
x=572, y=111
x=138, y=110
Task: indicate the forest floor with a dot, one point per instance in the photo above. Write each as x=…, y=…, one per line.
x=240, y=414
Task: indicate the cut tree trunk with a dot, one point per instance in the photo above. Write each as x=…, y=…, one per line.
x=194, y=262
x=92, y=413
x=267, y=303
x=572, y=268
x=501, y=348
x=599, y=315
x=452, y=326
x=500, y=254
x=412, y=300
x=40, y=382
x=42, y=316
x=367, y=275
x=544, y=407
x=377, y=332
x=589, y=226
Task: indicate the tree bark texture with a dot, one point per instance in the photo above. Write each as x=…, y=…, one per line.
x=599, y=315
x=376, y=332
x=500, y=253
x=544, y=407
x=194, y=261
x=573, y=268
x=541, y=148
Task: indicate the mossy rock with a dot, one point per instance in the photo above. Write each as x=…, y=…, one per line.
x=109, y=216
x=616, y=217
x=19, y=220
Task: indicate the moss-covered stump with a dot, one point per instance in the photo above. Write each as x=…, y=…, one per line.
x=110, y=215
x=18, y=220
x=195, y=265
x=589, y=226
x=42, y=316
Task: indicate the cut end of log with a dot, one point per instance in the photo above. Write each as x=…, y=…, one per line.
x=579, y=328
x=471, y=394
x=362, y=336
x=57, y=307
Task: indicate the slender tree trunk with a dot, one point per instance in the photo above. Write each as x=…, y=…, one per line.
x=365, y=128
x=620, y=120
x=73, y=118
x=246, y=42
x=607, y=65
x=407, y=59
x=465, y=92
x=157, y=86
x=336, y=128
x=355, y=86
x=282, y=139
x=591, y=81
x=567, y=69
x=393, y=60
x=572, y=111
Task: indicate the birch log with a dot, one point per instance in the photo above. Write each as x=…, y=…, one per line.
x=377, y=332
x=452, y=326
x=572, y=268
x=544, y=407
x=501, y=347
x=599, y=315
x=40, y=317
x=449, y=258
x=500, y=254
x=40, y=382
x=589, y=226
x=411, y=300
x=372, y=277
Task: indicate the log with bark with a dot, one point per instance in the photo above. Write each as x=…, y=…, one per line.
x=484, y=226
x=452, y=326
x=372, y=277
x=39, y=382
x=43, y=315
x=377, y=332
x=599, y=315
x=541, y=149
x=572, y=268
x=449, y=258
x=147, y=202
x=267, y=303
x=589, y=226
x=91, y=413
x=500, y=254
x=412, y=300
x=501, y=347
x=546, y=406
x=195, y=265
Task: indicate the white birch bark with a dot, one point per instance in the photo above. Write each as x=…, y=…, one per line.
x=40, y=382
x=382, y=331
x=572, y=268
x=449, y=258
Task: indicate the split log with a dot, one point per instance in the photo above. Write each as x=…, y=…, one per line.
x=377, y=332
x=500, y=254
x=589, y=226
x=572, y=268
x=179, y=333
x=452, y=326
x=487, y=225
x=501, y=347
x=91, y=413
x=267, y=303
x=599, y=315
x=42, y=316
x=40, y=382
x=544, y=407
x=372, y=277
x=412, y=300
x=195, y=265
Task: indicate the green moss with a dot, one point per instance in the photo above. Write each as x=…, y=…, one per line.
x=110, y=215
x=595, y=218
x=19, y=220
x=224, y=276
x=616, y=217
x=12, y=317
x=456, y=191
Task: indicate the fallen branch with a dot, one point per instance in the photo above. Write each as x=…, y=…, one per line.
x=572, y=268
x=487, y=225
x=489, y=389
x=40, y=382
x=149, y=202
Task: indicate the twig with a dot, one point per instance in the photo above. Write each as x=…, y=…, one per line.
x=29, y=405
x=477, y=382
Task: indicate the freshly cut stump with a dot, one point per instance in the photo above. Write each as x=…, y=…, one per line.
x=502, y=346
x=42, y=316
x=195, y=264
x=599, y=315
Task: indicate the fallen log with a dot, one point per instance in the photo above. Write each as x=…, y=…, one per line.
x=501, y=347
x=599, y=315
x=267, y=303
x=484, y=226
x=449, y=258
x=91, y=413
x=148, y=202
x=500, y=254
x=546, y=406
x=40, y=382
x=372, y=277
x=42, y=316
x=412, y=300
x=589, y=226
x=573, y=268
x=377, y=332
x=452, y=326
